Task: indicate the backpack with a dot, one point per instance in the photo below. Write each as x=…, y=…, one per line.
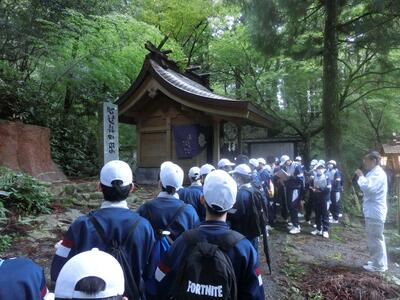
x=160, y=247
x=117, y=250
x=257, y=220
x=257, y=215
x=207, y=271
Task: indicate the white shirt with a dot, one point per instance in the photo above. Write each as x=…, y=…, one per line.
x=119, y=204
x=166, y=195
x=374, y=186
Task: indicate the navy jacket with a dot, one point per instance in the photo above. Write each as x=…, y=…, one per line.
x=192, y=195
x=115, y=222
x=240, y=218
x=243, y=257
x=22, y=279
x=160, y=211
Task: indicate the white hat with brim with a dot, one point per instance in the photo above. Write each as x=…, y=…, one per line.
x=220, y=191
x=224, y=162
x=93, y=263
x=171, y=175
x=116, y=170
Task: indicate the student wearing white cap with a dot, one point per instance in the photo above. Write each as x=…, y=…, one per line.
x=193, y=193
x=91, y=274
x=114, y=224
x=309, y=205
x=293, y=187
x=168, y=216
x=335, y=176
x=321, y=187
x=239, y=220
x=268, y=190
x=213, y=236
x=204, y=171
x=225, y=164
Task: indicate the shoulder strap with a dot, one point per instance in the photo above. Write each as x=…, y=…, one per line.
x=228, y=240
x=176, y=215
x=192, y=237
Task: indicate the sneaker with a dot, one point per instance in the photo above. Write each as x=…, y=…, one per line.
x=333, y=221
x=300, y=215
x=315, y=226
x=295, y=230
x=340, y=215
x=371, y=268
x=325, y=234
x=308, y=222
x=316, y=232
x=290, y=225
x=269, y=227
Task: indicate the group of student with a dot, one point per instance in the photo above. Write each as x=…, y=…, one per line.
x=319, y=187
x=197, y=242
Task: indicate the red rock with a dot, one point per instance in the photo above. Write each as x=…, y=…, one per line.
x=27, y=148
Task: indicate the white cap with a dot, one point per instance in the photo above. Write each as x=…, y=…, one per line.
x=332, y=162
x=90, y=263
x=116, y=170
x=321, y=162
x=262, y=161
x=225, y=162
x=254, y=162
x=242, y=169
x=284, y=159
x=313, y=162
x=194, y=172
x=205, y=169
x=171, y=175
x=298, y=158
x=220, y=191
x=268, y=168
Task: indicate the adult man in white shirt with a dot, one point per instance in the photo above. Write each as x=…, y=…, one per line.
x=374, y=187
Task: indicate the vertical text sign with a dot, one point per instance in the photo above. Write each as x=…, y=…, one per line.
x=110, y=132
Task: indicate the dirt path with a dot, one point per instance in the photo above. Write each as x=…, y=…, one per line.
x=304, y=266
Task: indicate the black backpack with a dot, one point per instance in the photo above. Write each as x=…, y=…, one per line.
x=257, y=220
x=117, y=250
x=207, y=271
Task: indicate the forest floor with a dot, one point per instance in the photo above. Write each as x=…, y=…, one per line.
x=303, y=266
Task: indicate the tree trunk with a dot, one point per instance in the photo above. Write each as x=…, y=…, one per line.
x=330, y=105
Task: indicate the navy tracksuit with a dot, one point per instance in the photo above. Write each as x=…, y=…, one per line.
x=266, y=181
x=321, y=200
x=293, y=188
x=116, y=223
x=238, y=221
x=337, y=188
x=192, y=195
x=243, y=257
x=22, y=279
x=160, y=211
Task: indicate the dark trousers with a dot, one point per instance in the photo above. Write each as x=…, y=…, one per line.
x=283, y=202
x=335, y=205
x=293, y=202
x=271, y=206
x=321, y=211
x=309, y=205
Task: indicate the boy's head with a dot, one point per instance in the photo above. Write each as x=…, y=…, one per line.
x=205, y=170
x=92, y=274
x=171, y=177
x=116, y=180
x=225, y=164
x=219, y=192
x=194, y=174
x=242, y=174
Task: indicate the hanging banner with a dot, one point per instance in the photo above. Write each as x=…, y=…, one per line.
x=190, y=140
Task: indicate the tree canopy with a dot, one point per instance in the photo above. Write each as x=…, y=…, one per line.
x=329, y=74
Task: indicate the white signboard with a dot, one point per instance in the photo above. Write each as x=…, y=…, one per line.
x=110, y=132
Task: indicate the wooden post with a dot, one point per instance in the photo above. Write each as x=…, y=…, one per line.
x=216, y=145
x=239, y=138
x=169, y=138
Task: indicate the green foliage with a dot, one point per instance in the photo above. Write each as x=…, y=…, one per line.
x=22, y=193
x=5, y=242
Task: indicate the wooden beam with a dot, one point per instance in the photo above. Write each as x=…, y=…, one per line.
x=138, y=145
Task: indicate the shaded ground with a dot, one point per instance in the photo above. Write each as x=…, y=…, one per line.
x=304, y=266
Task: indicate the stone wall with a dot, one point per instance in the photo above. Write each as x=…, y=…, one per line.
x=27, y=148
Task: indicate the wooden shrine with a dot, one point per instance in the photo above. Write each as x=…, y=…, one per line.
x=163, y=100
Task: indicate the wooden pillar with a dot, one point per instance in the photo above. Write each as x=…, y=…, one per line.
x=396, y=185
x=216, y=141
x=239, y=138
x=169, y=138
x=138, y=145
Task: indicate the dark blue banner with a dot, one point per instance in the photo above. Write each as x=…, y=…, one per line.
x=190, y=140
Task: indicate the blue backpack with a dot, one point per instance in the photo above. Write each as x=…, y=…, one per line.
x=161, y=246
